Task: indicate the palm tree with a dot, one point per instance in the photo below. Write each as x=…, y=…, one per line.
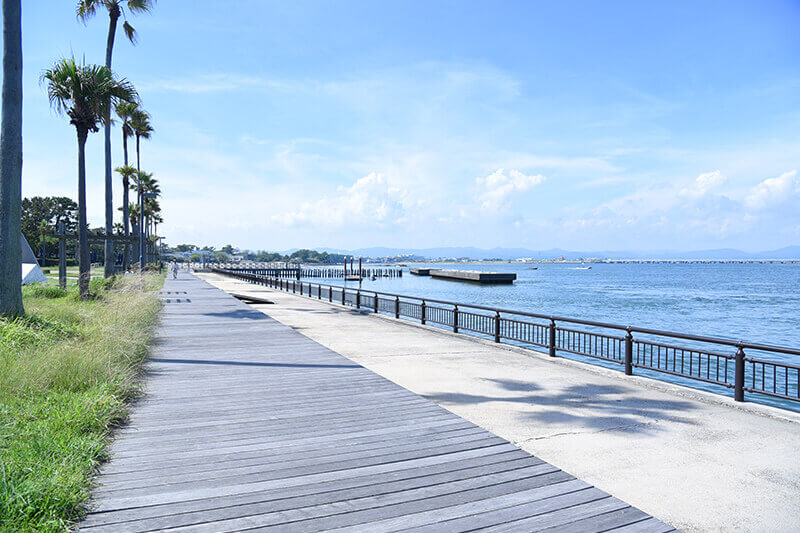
x=126, y=111
x=140, y=124
x=11, y=162
x=133, y=214
x=127, y=172
x=85, y=94
x=86, y=9
x=149, y=189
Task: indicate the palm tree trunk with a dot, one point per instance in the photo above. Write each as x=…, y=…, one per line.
x=141, y=209
x=11, y=162
x=110, y=259
x=126, y=254
x=84, y=266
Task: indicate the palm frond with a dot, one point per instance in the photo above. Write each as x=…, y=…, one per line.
x=126, y=171
x=140, y=6
x=85, y=92
x=86, y=9
x=130, y=32
x=140, y=123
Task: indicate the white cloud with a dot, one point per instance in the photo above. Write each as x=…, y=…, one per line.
x=212, y=83
x=370, y=199
x=774, y=191
x=497, y=190
x=703, y=184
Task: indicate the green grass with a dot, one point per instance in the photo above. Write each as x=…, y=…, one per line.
x=67, y=370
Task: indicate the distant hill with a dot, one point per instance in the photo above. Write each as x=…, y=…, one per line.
x=789, y=252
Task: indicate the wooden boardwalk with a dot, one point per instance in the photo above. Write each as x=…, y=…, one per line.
x=249, y=425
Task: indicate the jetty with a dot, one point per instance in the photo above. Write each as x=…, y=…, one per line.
x=474, y=276
x=298, y=272
x=249, y=424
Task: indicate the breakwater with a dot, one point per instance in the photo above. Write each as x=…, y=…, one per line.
x=748, y=369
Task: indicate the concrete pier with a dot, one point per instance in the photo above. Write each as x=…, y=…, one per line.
x=474, y=276
x=420, y=271
x=698, y=461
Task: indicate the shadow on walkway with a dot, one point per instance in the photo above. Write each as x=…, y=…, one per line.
x=589, y=406
x=239, y=313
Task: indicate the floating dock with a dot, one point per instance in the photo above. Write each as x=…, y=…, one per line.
x=420, y=271
x=474, y=276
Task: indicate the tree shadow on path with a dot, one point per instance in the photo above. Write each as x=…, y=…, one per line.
x=575, y=408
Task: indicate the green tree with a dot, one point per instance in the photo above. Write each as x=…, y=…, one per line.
x=47, y=211
x=185, y=248
x=269, y=257
x=228, y=249
x=84, y=93
x=86, y=9
x=11, y=162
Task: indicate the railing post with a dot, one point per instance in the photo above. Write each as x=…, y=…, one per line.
x=738, y=386
x=397, y=307
x=343, y=300
x=422, y=312
x=455, y=319
x=376, y=302
x=497, y=326
x=552, y=344
x=330, y=293
x=358, y=299
x=628, y=352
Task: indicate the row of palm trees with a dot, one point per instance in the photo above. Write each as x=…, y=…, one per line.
x=86, y=94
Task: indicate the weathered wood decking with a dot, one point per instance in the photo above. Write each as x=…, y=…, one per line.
x=247, y=424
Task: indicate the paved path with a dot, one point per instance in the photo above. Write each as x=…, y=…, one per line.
x=248, y=424
x=680, y=454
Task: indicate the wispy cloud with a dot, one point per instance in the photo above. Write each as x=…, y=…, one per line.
x=497, y=190
x=211, y=83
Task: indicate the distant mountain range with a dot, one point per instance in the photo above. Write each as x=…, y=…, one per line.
x=789, y=252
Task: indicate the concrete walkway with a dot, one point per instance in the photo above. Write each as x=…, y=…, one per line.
x=249, y=425
x=698, y=461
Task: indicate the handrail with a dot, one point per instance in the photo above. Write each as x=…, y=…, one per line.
x=695, y=363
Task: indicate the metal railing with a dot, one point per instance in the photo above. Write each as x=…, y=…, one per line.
x=713, y=360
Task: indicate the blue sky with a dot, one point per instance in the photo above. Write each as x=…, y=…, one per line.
x=580, y=125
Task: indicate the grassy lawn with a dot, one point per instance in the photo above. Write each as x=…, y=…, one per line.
x=66, y=372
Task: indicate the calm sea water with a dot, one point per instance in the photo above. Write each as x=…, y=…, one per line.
x=749, y=302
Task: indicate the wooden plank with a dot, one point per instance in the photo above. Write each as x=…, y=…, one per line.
x=476, y=467
x=249, y=424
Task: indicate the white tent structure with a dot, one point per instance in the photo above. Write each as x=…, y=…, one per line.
x=31, y=272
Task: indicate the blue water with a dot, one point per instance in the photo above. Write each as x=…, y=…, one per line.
x=758, y=303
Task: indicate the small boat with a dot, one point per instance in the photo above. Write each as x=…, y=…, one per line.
x=581, y=268
x=373, y=278
x=532, y=268
x=351, y=277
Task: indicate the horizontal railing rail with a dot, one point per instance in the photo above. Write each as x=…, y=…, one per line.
x=649, y=351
